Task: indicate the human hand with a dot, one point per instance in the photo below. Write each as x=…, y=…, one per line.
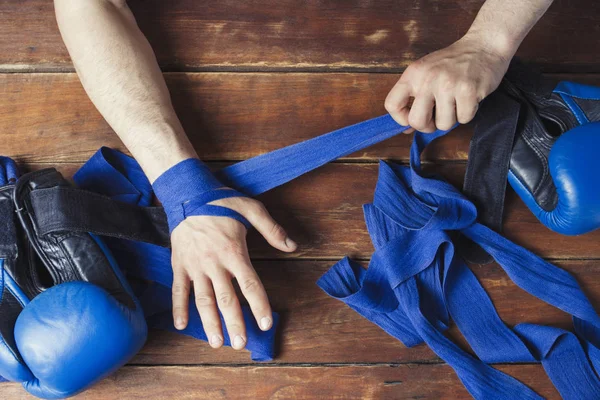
x=447, y=86
x=210, y=252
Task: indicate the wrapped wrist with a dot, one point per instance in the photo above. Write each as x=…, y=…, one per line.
x=186, y=189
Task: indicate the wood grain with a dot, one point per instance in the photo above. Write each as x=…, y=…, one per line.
x=379, y=382
x=338, y=34
x=48, y=117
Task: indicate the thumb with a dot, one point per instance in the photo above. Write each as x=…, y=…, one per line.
x=256, y=213
x=274, y=233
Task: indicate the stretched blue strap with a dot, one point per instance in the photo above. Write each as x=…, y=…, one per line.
x=415, y=283
x=185, y=189
x=118, y=176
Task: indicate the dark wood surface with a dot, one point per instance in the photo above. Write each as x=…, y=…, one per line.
x=248, y=77
x=308, y=35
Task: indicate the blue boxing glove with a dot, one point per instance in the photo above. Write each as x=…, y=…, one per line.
x=552, y=166
x=571, y=163
x=69, y=317
x=186, y=189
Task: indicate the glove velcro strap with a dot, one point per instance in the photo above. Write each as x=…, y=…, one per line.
x=63, y=208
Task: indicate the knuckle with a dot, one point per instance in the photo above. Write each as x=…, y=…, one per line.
x=179, y=289
x=447, y=84
x=417, y=66
x=256, y=208
x=467, y=89
x=416, y=121
x=234, y=247
x=226, y=299
x=467, y=115
x=277, y=232
x=251, y=285
x=389, y=105
x=204, y=299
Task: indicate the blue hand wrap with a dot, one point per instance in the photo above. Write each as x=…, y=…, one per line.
x=186, y=189
x=416, y=283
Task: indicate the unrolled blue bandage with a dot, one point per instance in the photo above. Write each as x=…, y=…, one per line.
x=416, y=283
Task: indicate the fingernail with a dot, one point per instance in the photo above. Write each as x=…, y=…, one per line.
x=215, y=340
x=238, y=342
x=290, y=243
x=265, y=323
x=179, y=323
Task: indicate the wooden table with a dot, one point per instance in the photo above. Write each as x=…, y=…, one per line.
x=247, y=77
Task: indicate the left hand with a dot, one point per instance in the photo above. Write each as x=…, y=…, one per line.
x=447, y=85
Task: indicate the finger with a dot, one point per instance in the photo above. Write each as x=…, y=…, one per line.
x=397, y=102
x=254, y=291
x=466, y=108
x=204, y=296
x=421, y=113
x=274, y=233
x=230, y=308
x=180, y=296
x=445, y=112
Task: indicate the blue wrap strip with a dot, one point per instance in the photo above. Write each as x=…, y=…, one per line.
x=415, y=283
x=185, y=189
x=120, y=177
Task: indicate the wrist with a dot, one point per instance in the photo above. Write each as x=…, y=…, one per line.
x=498, y=42
x=183, y=182
x=159, y=146
x=187, y=189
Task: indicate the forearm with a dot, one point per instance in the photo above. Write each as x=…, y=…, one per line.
x=503, y=24
x=120, y=74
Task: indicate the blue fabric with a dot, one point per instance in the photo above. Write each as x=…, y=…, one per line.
x=416, y=284
x=577, y=185
x=187, y=187
x=8, y=171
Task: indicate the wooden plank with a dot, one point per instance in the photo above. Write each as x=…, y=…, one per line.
x=48, y=117
x=255, y=382
x=262, y=34
x=322, y=211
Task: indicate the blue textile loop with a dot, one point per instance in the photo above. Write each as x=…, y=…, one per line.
x=9, y=172
x=185, y=190
x=416, y=284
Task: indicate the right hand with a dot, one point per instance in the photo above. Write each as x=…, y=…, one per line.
x=210, y=252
